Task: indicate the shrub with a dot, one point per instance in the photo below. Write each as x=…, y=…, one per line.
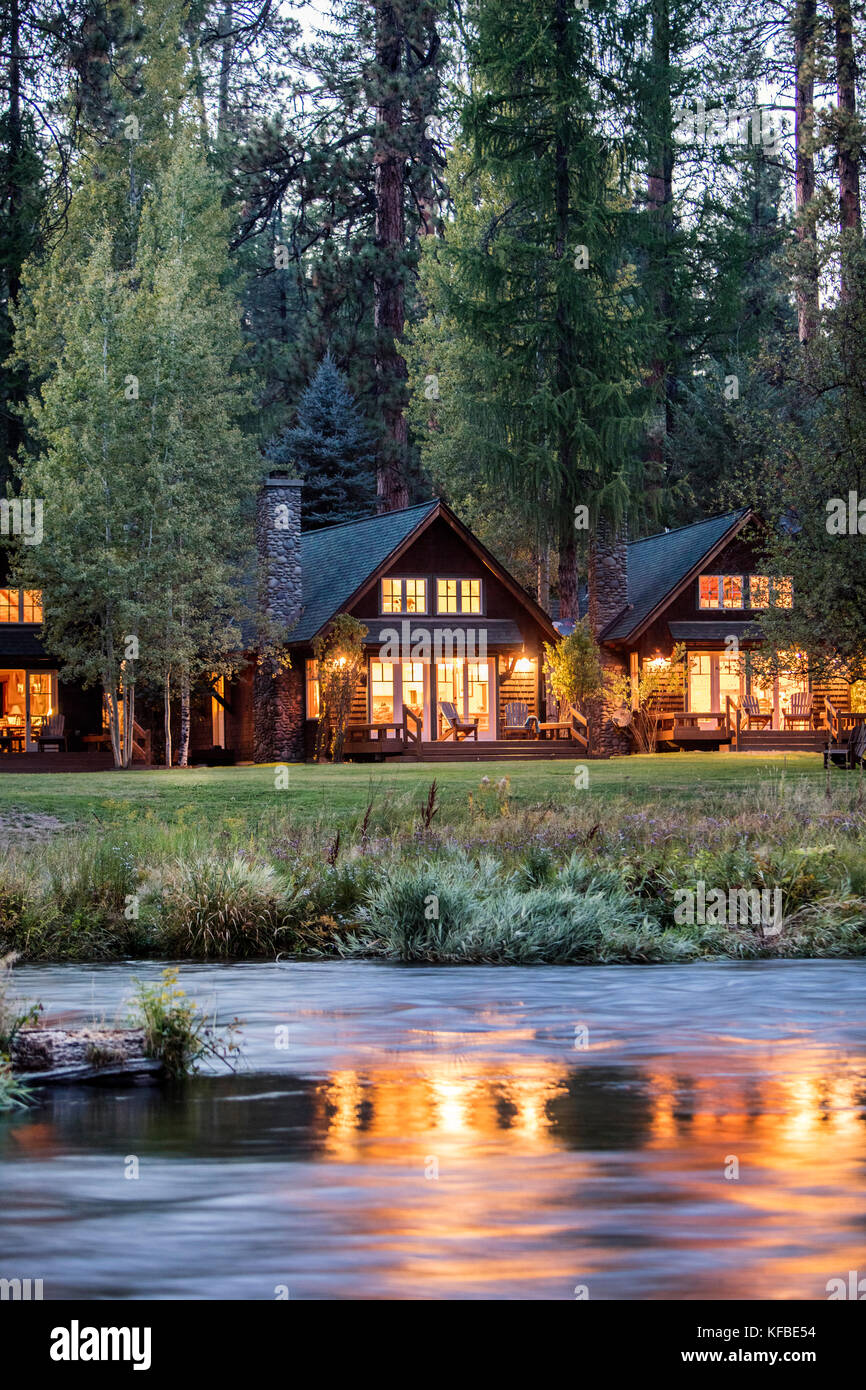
x=176, y=1032
x=221, y=908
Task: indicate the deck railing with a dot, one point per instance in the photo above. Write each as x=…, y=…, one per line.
x=831, y=720
x=579, y=726
x=413, y=728
x=733, y=714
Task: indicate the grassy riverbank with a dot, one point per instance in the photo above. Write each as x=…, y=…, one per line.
x=516, y=862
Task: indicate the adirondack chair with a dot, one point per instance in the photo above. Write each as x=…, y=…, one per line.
x=460, y=728
x=52, y=735
x=749, y=706
x=852, y=755
x=800, y=709
x=516, y=716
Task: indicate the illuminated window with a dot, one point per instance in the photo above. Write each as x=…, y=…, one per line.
x=766, y=591
x=32, y=606
x=413, y=687
x=470, y=595
x=382, y=692
x=16, y=607
x=710, y=591
x=416, y=596
x=783, y=593
x=404, y=595
x=732, y=590
x=313, y=705
x=392, y=596
x=446, y=595
x=721, y=591
x=458, y=595
x=759, y=591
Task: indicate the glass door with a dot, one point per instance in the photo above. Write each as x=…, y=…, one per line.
x=700, y=682
x=414, y=695
x=41, y=704
x=478, y=695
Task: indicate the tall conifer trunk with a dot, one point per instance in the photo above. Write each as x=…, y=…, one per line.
x=660, y=202
x=805, y=23
x=848, y=151
x=390, y=233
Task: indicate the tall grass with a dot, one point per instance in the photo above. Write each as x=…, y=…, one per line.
x=596, y=881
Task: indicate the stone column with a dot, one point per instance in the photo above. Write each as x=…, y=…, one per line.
x=278, y=695
x=608, y=597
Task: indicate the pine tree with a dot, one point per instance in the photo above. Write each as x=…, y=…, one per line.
x=535, y=276
x=332, y=449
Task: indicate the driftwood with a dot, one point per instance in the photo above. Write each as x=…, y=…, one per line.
x=81, y=1054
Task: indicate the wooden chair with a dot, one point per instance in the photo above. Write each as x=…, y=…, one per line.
x=800, y=709
x=516, y=715
x=852, y=754
x=749, y=707
x=460, y=728
x=52, y=734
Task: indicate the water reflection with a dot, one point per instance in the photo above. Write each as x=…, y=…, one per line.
x=491, y=1160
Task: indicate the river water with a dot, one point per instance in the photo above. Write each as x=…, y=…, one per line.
x=689, y=1131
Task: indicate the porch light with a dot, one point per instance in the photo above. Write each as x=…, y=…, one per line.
x=658, y=661
x=525, y=663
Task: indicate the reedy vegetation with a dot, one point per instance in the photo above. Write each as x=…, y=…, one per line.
x=510, y=883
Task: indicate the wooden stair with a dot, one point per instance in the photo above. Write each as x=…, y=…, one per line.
x=782, y=741
x=501, y=750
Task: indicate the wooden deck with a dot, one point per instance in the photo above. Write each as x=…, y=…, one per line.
x=56, y=762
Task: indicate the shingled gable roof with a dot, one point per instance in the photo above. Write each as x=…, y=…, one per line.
x=660, y=566
x=338, y=563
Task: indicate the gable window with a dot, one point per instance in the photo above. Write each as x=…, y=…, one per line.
x=770, y=591
x=458, y=595
x=20, y=606
x=721, y=591
x=745, y=591
x=404, y=595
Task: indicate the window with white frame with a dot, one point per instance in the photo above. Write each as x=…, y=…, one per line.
x=404, y=595
x=745, y=591
x=458, y=595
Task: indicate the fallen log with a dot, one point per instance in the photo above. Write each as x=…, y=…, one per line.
x=43, y=1055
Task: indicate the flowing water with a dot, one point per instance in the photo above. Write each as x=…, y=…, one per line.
x=689, y=1131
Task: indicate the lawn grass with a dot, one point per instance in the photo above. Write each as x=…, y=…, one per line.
x=334, y=796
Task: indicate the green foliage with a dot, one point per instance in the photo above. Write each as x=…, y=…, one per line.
x=212, y=908
x=331, y=448
x=573, y=667
x=639, y=698
x=177, y=1033
x=13, y=1013
x=340, y=654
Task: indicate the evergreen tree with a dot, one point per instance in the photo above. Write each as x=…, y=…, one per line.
x=535, y=276
x=353, y=179
x=147, y=478
x=331, y=447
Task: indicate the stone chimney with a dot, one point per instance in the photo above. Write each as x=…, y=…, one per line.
x=608, y=597
x=278, y=694
x=278, y=540
x=608, y=574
